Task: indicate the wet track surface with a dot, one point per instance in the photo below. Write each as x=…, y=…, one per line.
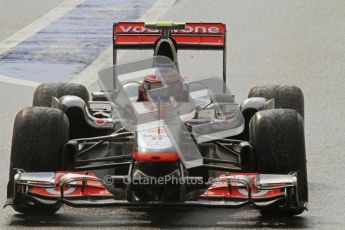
x=172, y=218
x=270, y=42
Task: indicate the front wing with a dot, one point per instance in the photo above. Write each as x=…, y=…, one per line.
x=82, y=189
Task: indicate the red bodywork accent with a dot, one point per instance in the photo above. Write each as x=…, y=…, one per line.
x=210, y=35
x=156, y=157
x=221, y=189
x=217, y=191
x=100, y=121
x=92, y=188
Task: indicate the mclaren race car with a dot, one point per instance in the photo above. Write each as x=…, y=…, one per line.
x=152, y=138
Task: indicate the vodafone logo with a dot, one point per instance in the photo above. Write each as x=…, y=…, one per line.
x=136, y=29
x=188, y=29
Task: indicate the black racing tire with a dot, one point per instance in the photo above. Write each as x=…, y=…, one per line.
x=44, y=92
x=277, y=138
x=285, y=96
x=39, y=135
x=76, y=90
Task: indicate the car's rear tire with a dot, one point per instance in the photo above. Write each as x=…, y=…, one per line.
x=44, y=92
x=39, y=135
x=285, y=96
x=277, y=138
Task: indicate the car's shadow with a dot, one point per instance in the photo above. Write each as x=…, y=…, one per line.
x=159, y=218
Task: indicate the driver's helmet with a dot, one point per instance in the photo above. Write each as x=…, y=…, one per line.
x=153, y=80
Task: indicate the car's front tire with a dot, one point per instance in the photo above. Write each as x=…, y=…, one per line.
x=39, y=135
x=277, y=138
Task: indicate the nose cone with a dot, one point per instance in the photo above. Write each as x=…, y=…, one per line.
x=154, y=145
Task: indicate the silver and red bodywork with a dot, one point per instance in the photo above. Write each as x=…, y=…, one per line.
x=197, y=35
x=81, y=189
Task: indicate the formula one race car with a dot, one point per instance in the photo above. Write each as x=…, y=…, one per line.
x=151, y=138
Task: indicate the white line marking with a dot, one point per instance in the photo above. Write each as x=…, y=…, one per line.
x=90, y=74
x=5, y=79
x=7, y=45
x=36, y=26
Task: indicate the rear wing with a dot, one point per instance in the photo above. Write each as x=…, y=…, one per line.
x=192, y=36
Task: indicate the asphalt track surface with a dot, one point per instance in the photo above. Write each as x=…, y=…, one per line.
x=16, y=14
x=270, y=42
